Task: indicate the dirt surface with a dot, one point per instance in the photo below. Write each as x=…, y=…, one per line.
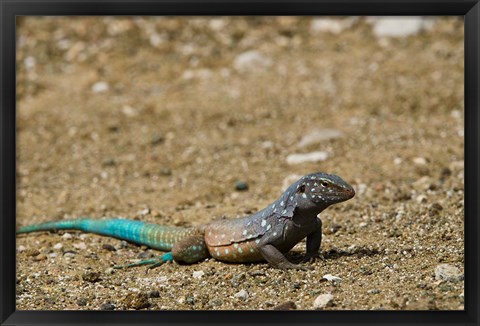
x=159, y=119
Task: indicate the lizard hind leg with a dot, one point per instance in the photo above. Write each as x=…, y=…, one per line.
x=190, y=250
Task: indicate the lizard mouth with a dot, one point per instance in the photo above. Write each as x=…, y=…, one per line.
x=340, y=194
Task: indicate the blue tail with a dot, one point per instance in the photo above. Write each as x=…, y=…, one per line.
x=152, y=235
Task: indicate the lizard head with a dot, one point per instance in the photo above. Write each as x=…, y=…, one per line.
x=320, y=190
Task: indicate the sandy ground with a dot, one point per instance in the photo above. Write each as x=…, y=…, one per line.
x=158, y=119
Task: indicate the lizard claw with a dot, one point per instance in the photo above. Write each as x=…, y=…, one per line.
x=153, y=262
x=307, y=258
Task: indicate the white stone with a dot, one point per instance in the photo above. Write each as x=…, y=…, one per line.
x=129, y=111
x=58, y=246
x=251, y=60
x=399, y=26
x=319, y=135
x=332, y=278
x=322, y=301
x=308, y=157
x=397, y=161
x=100, y=87
x=21, y=248
x=198, y=274
x=80, y=246
x=420, y=160
x=242, y=294
x=30, y=62
x=330, y=25
x=421, y=199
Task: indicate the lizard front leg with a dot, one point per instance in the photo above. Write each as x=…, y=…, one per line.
x=314, y=241
x=276, y=259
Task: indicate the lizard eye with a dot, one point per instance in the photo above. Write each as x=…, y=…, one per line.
x=324, y=184
x=301, y=189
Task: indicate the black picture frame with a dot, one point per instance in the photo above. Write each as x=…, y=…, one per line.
x=10, y=9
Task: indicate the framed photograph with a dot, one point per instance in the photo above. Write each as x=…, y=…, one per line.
x=254, y=163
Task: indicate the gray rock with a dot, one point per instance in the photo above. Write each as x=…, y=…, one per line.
x=107, y=306
x=242, y=294
x=241, y=186
x=446, y=272
x=322, y=301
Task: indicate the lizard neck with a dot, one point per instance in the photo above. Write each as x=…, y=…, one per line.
x=306, y=216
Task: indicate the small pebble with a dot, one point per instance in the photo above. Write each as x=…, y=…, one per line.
x=332, y=278
x=308, y=157
x=215, y=302
x=373, y=291
x=32, y=252
x=66, y=236
x=322, y=301
x=129, y=112
x=241, y=186
x=69, y=254
x=257, y=272
x=91, y=276
x=122, y=245
x=198, y=274
x=58, y=246
x=145, y=255
x=420, y=160
x=446, y=272
x=108, y=247
x=144, y=212
x=399, y=26
x=397, y=161
x=190, y=300
x=109, y=271
x=80, y=246
x=21, y=248
x=251, y=61
x=242, y=294
x=40, y=257
x=82, y=301
x=107, y=306
x=237, y=279
x=136, y=300
x=109, y=162
x=320, y=135
x=421, y=199
x=154, y=294
x=330, y=25
x=100, y=87
x=289, y=305
x=157, y=139
x=165, y=171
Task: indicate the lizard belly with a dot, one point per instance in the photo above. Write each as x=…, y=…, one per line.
x=237, y=252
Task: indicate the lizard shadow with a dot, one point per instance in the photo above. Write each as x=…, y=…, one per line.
x=336, y=253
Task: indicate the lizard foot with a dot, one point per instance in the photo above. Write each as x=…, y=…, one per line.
x=307, y=258
x=153, y=262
